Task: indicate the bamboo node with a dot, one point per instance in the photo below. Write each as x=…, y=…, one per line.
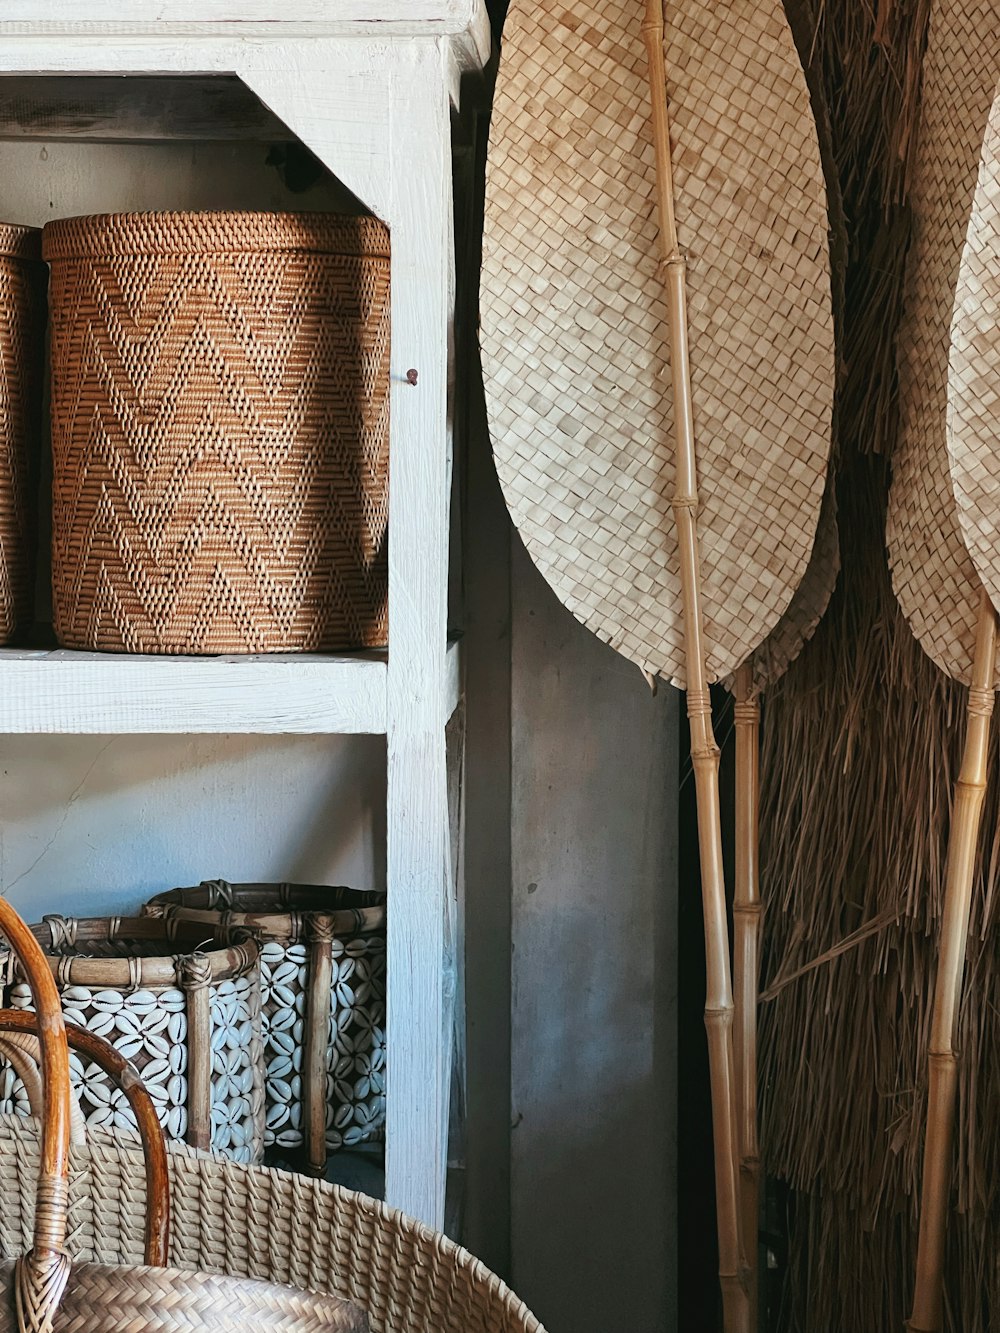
x=684, y=502
x=672, y=261
x=699, y=702
x=980, y=701
x=747, y=712
x=754, y=909
x=718, y=1014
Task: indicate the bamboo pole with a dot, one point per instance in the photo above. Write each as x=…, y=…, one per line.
x=704, y=750
x=942, y=1053
x=746, y=963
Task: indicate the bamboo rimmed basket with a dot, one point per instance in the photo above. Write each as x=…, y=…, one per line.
x=322, y=970
x=220, y=400
x=46, y=1287
x=22, y=352
x=187, y=1015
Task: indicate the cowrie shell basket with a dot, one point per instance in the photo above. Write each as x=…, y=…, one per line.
x=322, y=969
x=187, y=1016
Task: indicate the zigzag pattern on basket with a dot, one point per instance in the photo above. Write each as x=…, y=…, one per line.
x=220, y=450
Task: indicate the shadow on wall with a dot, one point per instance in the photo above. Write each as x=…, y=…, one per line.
x=95, y=824
x=593, y=1039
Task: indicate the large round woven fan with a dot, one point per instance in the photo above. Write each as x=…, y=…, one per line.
x=934, y=577
x=576, y=358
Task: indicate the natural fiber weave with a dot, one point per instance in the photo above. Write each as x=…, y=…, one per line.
x=974, y=374
x=220, y=399
x=22, y=334
x=161, y=1300
x=808, y=605
x=268, y=1225
x=574, y=323
x=933, y=575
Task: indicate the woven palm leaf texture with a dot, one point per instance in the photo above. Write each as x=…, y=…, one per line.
x=574, y=322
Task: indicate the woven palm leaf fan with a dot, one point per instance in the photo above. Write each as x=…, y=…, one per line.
x=934, y=576
x=596, y=231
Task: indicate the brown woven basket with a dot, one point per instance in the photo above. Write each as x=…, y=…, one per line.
x=220, y=431
x=22, y=333
x=182, y=1000
x=322, y=975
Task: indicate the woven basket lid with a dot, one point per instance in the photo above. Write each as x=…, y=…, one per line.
x=574, y=319
x=974, y=373
x=933, y=574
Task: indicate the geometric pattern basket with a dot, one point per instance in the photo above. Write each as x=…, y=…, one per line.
x=220, y=431
x=188, y=1019
x=323, y=978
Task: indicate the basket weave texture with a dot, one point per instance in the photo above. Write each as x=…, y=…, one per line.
x=270, y=1225
x=288, y=919
x=220, y=414
x=171, y=1008
x=575, y=345
x=974, y=383
x=933, y=574
x=22, y=333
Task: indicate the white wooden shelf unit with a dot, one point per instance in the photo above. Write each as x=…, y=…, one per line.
x=368, y=87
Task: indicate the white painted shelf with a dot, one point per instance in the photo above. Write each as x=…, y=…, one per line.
x=59, y=691
x=369, y=87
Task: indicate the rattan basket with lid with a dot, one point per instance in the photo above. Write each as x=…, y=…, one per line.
x=22, y=333
x=220, y=400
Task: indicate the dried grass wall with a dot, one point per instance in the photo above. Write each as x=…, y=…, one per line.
x=861, y=748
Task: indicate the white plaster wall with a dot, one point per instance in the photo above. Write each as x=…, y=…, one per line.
x=93, y=824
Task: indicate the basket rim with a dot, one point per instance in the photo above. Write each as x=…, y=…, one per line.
x=18, y=241
x=287, y=919
x=232, y=231
x=224, y=962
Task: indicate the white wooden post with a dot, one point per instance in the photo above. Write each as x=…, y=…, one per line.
x=418, y=859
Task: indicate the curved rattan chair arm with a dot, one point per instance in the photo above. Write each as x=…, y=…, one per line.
x=125, y=1075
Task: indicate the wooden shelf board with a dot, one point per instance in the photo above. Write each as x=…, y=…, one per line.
x=60, y=691
x=135, y=109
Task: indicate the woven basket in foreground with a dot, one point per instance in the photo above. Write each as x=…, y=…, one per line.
x=188, y=1018
x=220, y=431
x=22, y=358
x=322, y=972
x=254, y=1222
x=47, y=1289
